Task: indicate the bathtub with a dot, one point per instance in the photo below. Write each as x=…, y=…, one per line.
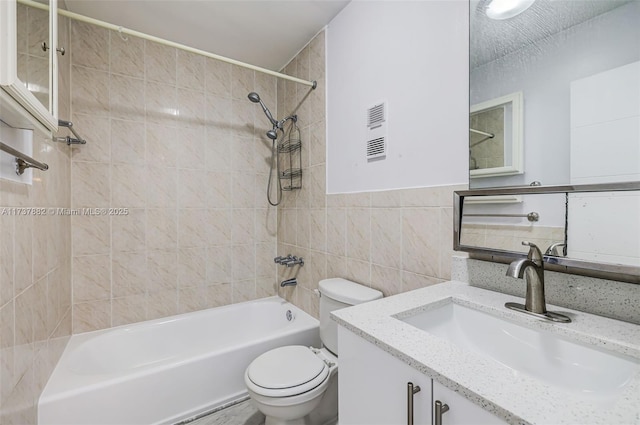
x=166, y=370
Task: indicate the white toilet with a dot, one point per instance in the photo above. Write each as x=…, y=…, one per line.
x=297, y=385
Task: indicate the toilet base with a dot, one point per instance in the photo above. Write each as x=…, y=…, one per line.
x=326, y=413
x=276, y=421
x=307, y=420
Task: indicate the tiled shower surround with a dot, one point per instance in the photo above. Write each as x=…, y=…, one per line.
x=172, y=148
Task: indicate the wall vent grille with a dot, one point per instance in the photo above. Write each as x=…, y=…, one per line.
x=376, y=115
x=376, y=148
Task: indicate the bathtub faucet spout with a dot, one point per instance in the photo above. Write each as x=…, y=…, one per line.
x=289, y=282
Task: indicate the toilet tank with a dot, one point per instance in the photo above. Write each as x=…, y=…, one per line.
x=335, y=294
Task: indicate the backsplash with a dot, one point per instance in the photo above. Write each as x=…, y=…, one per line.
x=618, y=300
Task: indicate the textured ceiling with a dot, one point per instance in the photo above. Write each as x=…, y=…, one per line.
x=264, y=33
x=491, y=39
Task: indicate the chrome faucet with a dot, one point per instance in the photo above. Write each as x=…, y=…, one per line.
x=554, y=250
x=532, y=270
x=289, y=282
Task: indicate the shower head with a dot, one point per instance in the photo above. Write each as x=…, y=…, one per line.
x=255, y=98
x=272, y=134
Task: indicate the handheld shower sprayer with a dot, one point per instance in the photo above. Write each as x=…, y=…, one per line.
x=255, y=98
x=273, y=135
x=277, y=125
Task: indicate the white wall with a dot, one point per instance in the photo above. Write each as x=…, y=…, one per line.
x=414, y=55
x=544, y=71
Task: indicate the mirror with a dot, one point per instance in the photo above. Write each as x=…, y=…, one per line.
x=543, y=224
x=33, y=60
x=600, y=238
x=604, y=227
x=495, y=137
x=577, y=65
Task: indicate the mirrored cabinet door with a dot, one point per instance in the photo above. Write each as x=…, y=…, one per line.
x=29, y=62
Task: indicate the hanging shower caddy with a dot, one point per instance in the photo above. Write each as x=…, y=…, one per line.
x=290, y=152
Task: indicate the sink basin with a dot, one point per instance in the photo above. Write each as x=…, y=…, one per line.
x=540, y=354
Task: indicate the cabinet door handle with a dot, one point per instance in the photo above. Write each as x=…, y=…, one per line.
x=45, y=48
x=441, y=409
x=411, y=390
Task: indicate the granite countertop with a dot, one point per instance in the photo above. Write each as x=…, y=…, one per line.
x=513, y=396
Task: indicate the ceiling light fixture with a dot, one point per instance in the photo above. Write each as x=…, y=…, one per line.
x=505, y=9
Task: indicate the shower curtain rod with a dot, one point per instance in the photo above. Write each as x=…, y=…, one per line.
x=484, y=133
x=121, y=30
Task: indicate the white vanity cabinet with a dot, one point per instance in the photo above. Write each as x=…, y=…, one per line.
x=28, y=68
x=372, y=385
x=372, y=388
x=461, y=411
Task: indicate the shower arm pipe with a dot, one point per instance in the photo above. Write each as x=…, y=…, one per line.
x=281, y=123
x=133, y=33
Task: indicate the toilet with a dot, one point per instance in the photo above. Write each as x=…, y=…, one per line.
x=295, y=385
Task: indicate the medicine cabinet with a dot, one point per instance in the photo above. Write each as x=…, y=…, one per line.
x=28, y=65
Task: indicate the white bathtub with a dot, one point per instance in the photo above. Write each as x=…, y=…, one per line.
x=166, y=370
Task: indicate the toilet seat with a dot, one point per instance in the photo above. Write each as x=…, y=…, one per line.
x=286, y=372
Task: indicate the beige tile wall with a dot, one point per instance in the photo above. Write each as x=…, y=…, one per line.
x=394, y=241
x=35, y=272
x=172, y=140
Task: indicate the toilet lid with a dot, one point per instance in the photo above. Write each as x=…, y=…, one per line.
x=286, y=367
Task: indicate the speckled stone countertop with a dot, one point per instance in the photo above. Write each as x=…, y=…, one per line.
x=513, y=396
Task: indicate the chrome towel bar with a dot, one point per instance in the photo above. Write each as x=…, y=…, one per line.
x=70, y=140
x=532, y=216
x=23, y=161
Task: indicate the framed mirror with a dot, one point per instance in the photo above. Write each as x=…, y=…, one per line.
x=577, y=65
x=591, y=230
x=495, y=137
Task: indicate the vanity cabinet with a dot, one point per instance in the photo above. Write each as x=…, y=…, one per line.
x=372, y=385
x=29, y=65
x=372, y=388
x=461, y=410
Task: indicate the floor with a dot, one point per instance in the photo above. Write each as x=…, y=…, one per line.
x=240, y=414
